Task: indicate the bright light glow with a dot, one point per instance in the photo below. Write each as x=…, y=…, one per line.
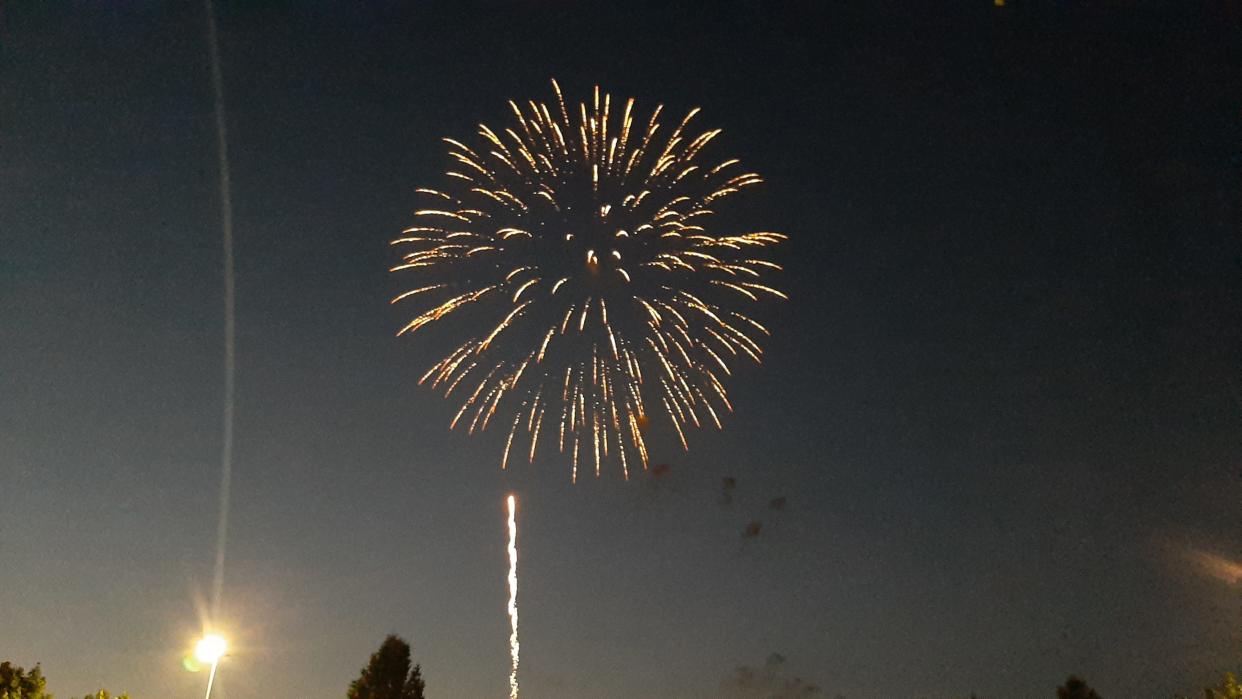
x=513, y=619
x=210, y=649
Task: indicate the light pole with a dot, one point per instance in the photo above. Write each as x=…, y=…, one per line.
x=209, y=650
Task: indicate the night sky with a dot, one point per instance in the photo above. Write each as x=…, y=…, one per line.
x=1003, y=404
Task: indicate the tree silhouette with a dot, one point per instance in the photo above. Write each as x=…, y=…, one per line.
x=17, y=683
x=1229, y=689
x=388, y=674
x=103, y=694
x=1076, y=688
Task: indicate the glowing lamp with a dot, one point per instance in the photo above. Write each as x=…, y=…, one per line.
x=210, y=649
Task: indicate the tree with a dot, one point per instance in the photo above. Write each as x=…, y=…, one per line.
x=1076, y=688
x=103, y=694
x=388, y=675
x=1229, y=689
x=17, y=683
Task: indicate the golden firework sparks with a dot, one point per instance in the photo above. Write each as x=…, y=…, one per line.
x=590, y=257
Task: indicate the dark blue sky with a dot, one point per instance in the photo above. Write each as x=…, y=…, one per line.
x=1003, y=404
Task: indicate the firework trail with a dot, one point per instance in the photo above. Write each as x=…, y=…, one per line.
x=226, y=218
x=592, y=276
x=513, y=619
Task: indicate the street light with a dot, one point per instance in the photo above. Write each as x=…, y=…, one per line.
x=209, y=650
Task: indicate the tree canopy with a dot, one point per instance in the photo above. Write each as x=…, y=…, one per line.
x=17, y=683
x=1076, y=688
x=388, y=674
x=1228, y=689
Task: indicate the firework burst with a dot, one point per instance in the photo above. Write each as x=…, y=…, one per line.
x=579, y=253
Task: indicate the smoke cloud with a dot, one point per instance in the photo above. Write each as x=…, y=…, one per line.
x=767, y=682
